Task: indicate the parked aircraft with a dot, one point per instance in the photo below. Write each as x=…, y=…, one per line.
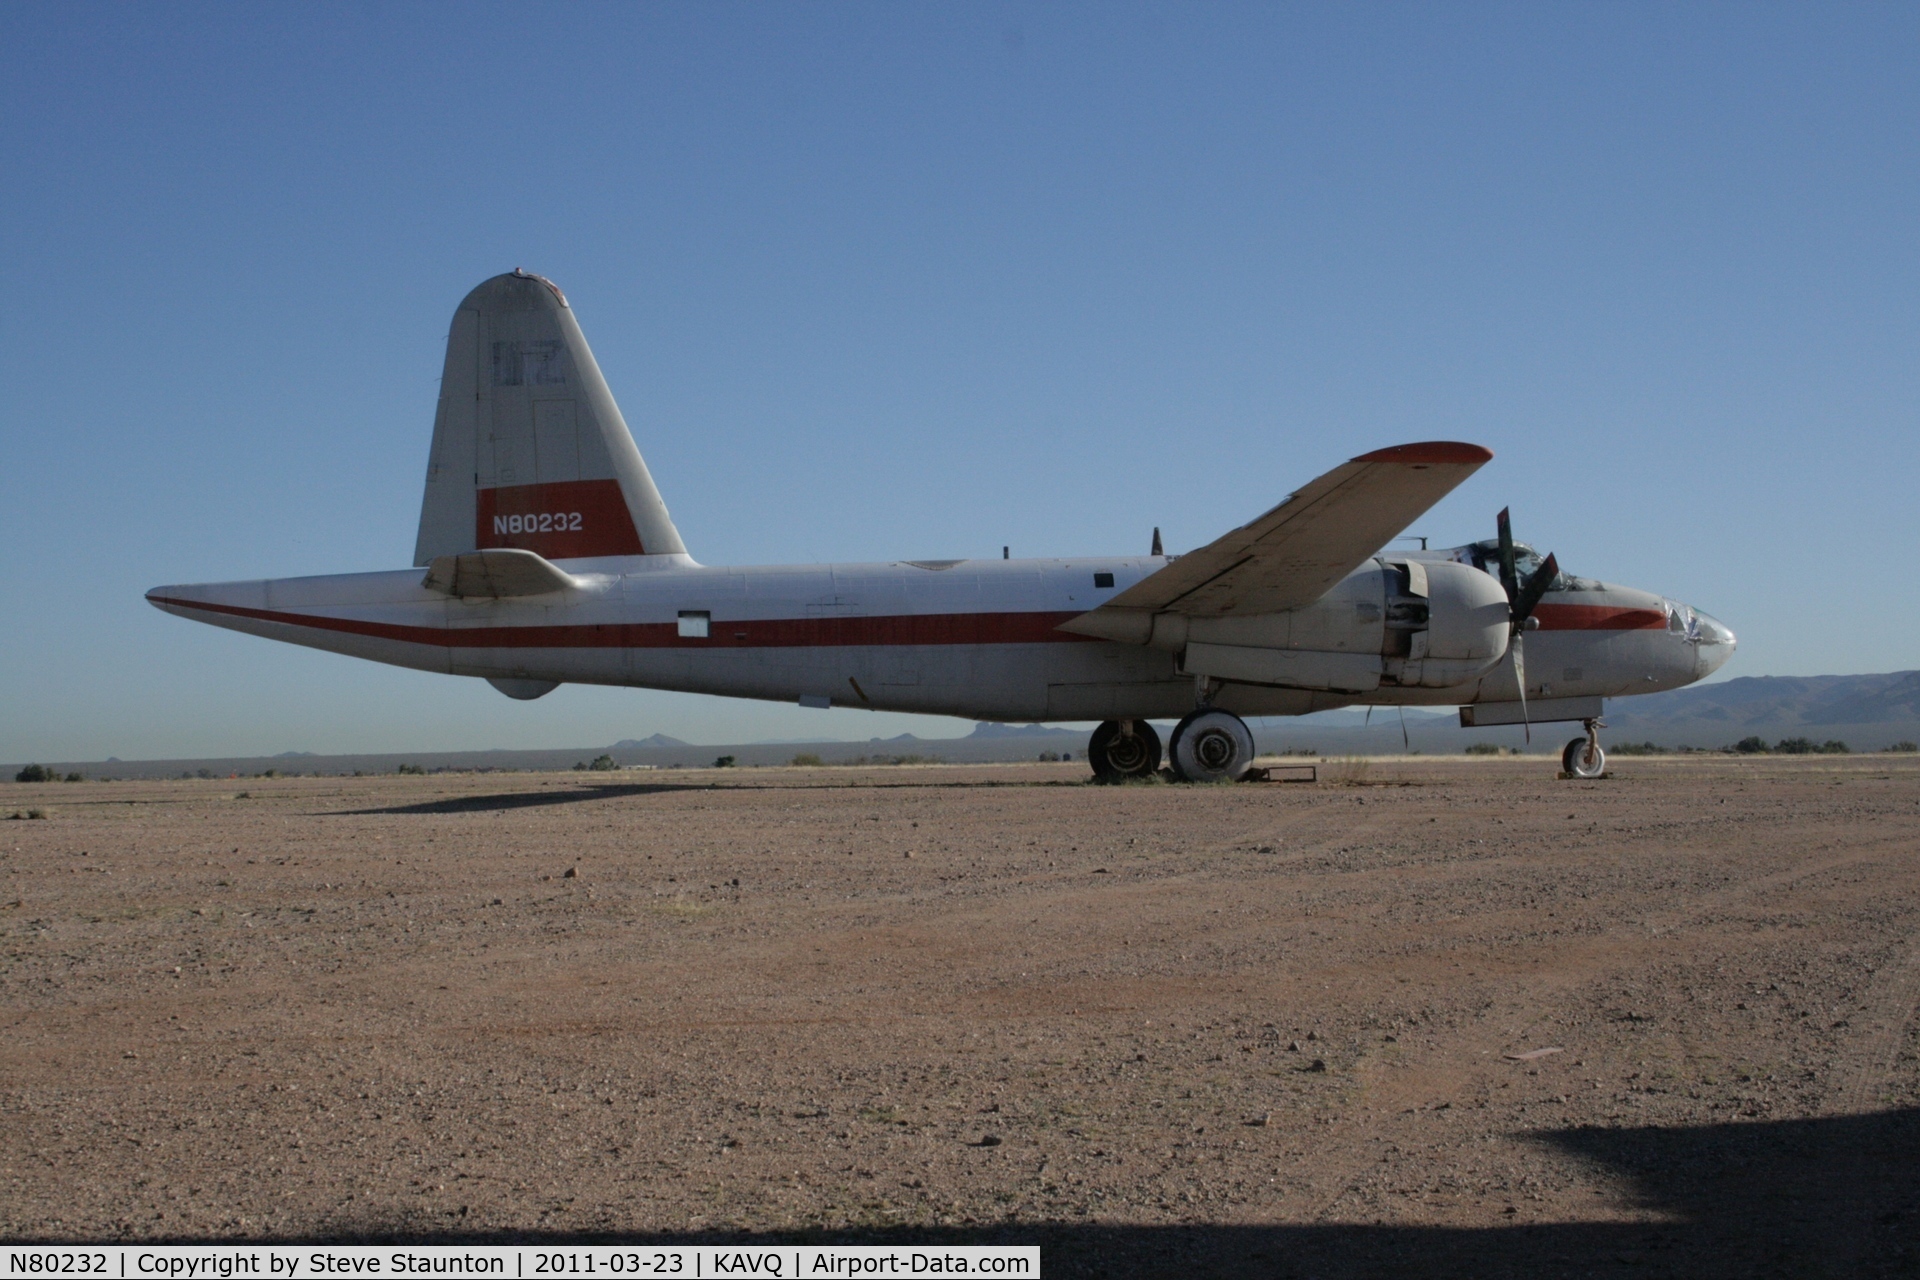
x=549, y=557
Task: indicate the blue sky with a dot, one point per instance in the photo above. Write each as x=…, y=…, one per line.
x=880, y=281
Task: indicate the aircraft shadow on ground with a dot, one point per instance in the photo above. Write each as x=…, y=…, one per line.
x=620, y=790
x=530, y=799
x=1828, y=1197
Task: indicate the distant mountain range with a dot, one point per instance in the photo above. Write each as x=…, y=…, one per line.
x=1782, y=702
x=1867, y=712
x=994, y=729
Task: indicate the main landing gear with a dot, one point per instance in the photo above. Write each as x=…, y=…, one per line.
x=1211, y=746
x=1583, y=757
x=1208, y=746
x=1124, y=751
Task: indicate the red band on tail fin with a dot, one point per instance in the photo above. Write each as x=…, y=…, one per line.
x=562, y=520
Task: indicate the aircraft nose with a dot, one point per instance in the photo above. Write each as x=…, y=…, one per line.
x=1717, y=643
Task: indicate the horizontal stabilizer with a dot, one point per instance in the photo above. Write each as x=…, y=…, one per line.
x=495, y=573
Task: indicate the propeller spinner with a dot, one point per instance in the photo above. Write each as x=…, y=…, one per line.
x=1522, y=599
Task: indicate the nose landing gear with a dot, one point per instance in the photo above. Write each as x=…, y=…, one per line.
x=1123, y=750
x=1583, y=757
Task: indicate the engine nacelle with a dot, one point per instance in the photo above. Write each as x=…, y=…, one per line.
x=1466, y=628
x=1430, y=625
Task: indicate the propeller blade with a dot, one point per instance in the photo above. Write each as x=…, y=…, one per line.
x=1508, y=578
x=1536, y=587
x=1517, y=648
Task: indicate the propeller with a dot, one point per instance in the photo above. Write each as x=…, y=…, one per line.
x=1522, y=599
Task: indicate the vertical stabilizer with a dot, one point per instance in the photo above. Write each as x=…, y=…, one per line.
x=529, y=449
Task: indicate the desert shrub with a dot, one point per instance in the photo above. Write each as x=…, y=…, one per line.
x=1902, y=747
x=1801, y=747
x=36, y=773
x=1486, y=749
x=603, y=763
x=1638, y=749
x=1753, y=745
x=419, y=770
x=724, y=762
x=1346, y=771
x=807, y=760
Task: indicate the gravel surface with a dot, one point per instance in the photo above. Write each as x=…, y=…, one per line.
x=1420, y=1017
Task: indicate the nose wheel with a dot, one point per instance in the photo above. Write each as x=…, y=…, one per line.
x=1583, y=757
x=1211, y=746
x=1122, y=750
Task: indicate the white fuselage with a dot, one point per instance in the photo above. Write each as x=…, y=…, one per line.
x=970, y=638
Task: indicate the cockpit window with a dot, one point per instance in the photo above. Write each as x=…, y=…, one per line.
x=1526, y=562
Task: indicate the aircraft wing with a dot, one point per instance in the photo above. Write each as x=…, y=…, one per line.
x=1292, y=555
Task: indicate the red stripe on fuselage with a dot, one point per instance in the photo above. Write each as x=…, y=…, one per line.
x=771, y=633
x=1598, y=617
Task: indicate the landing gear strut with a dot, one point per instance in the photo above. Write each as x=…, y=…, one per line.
x=1121, y=750
x=1211, y=746
x=1583, y=757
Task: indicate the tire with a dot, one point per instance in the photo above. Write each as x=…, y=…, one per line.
x=1120, y=756
x=1211, y=746
x=1579, y=763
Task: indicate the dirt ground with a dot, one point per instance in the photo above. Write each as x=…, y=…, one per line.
x=1421, y=1017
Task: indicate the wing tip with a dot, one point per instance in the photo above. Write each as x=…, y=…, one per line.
x=1430, y=452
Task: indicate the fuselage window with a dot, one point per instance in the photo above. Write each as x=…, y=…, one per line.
x=1103, y=580
x=695, y=623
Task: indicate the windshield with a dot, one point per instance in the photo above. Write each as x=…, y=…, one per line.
x=1526, y=562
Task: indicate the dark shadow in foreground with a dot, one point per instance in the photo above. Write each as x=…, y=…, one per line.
x=1831, y=1197
x=620, y=790
x=527, y=799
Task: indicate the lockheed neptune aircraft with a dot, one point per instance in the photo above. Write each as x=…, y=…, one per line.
x=549, y=558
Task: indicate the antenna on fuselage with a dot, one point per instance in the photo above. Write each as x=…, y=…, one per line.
x=1157, y=551
x=1413, y=537
x=1006, y=553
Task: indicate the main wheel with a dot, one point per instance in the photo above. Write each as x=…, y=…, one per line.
x=1211, y=746
x=1583, y=758
x=1124, y=749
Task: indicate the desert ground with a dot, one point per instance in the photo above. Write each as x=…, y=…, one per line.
x=1421, y=1016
